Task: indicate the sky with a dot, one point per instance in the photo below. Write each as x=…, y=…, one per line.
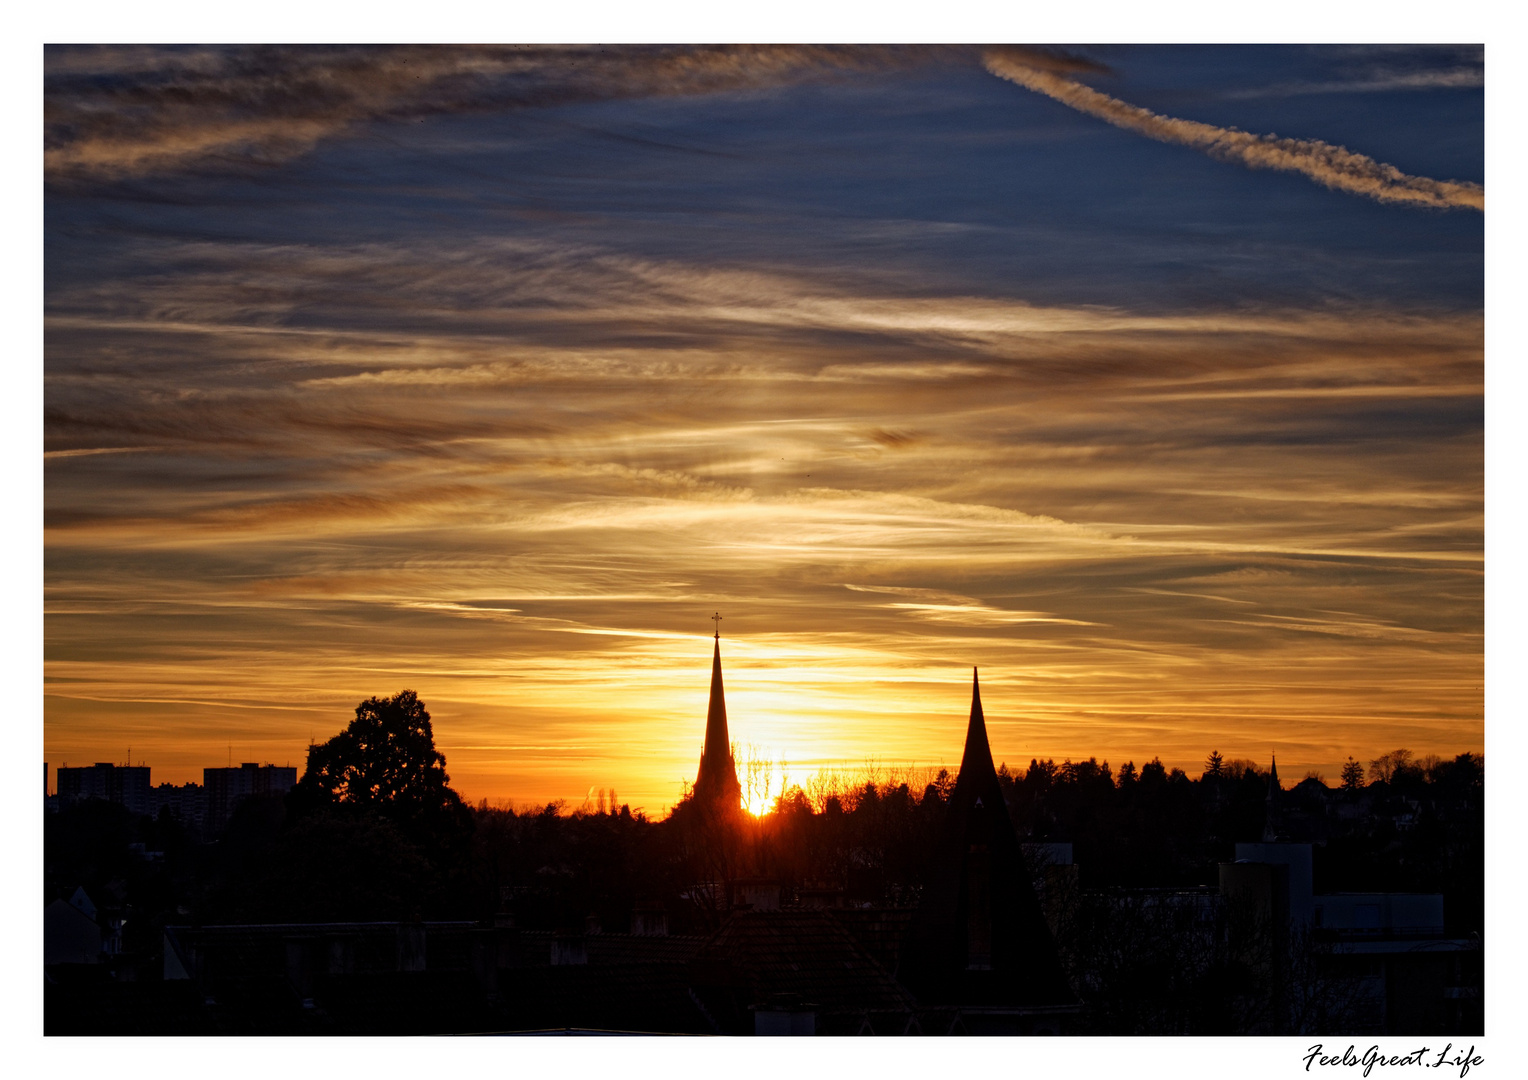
x=1149, y=380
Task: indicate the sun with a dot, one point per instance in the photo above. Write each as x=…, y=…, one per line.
x=762, y=776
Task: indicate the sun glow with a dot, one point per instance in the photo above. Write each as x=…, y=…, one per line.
x=763, y=776
x=279, y=480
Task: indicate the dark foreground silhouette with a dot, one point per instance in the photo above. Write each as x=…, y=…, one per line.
x=1058, y=898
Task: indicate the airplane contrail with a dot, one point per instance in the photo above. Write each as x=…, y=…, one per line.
x=1335, y=166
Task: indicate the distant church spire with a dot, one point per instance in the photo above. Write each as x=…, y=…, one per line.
x=979, y=937
x=717, y=776
x=1273, y=811
x=977, y=758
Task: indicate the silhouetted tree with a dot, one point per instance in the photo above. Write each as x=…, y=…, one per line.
x=385, y=764
x=1040, y=774
x=385, y=760
x=1465, y=774
x=1352, y=775
x=1214, y=765
x=1386, y=766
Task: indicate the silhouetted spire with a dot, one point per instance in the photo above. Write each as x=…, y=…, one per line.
x=977, y=757
x=979, y=937
x=717, y=776
x=976, y=788
x=1273, y=811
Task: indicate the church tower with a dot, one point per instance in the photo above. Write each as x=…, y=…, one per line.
x=1273, y=809
x=980, y=938
x=716, y=780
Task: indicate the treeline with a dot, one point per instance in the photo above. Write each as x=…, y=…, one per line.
x=868, y=836
x=299, y=859
x=374, y=832
x=364, y=837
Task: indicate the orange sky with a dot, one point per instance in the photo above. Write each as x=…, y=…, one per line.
x=547, y=592
x=514, y=460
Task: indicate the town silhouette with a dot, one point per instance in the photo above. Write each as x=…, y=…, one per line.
x=366, y=897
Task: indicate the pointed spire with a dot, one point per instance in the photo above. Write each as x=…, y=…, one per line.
x=980, y=936
x=716, y=711
x=978, y=753
x=1273, y=822
x=717, y=776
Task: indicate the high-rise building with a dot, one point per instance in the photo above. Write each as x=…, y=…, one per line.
x=716, y=780
x=226, y=788
x=188, y=802
x=125, y=784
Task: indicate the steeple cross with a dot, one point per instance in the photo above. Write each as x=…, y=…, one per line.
x=717, y=619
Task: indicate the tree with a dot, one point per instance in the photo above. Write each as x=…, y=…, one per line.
x=1386, y=766
x=1040, y=774
x=1214, y=765
x=1352, y=775
x=1465, y=773
x=386, y=761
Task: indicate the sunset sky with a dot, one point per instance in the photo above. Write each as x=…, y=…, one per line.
x=493, y=373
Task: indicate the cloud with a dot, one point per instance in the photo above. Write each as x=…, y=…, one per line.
x=1340, y=626
x=938, y=606
x=1370, y=69
x=1334, y=166
x=409, y=301
x=942, y=395
x=1461, y=78
x=111, y=113
x=49, y=455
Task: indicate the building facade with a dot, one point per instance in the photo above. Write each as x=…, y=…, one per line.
x=186, y=802
x=226, y=788
x=125, y=784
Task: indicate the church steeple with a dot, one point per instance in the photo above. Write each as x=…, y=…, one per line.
x=1273, y=811
x=717, y=776
x=977, y=758
x=978, y=800
x=980, y=937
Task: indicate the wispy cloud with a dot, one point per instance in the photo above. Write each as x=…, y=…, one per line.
x=131, y=111
x=1462, y=78
x=1334, y=166
x=1383, y=69
x=124, y=112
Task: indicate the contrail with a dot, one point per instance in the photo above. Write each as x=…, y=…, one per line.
x=1334, y=166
